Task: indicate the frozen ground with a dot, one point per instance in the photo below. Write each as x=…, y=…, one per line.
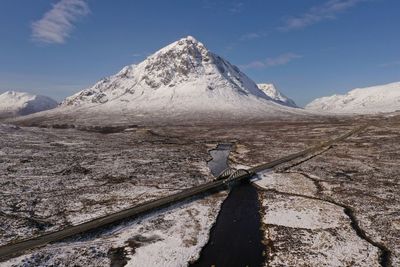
x=302, y=230
x=339, y=208
x=314, y=213
x=53, y=178
x=172, y=237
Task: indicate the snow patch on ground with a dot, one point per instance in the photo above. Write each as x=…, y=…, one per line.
x=299, y=212
x=286, y=182
x=181, y=241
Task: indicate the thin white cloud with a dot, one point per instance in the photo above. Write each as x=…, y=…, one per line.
x=232, y=7
x=257, y=64
x=390, y=64
x=328, y=10
x=236, y=7
x=57, y=24
x=208, y=4
x=250, y=36
x=282, y=59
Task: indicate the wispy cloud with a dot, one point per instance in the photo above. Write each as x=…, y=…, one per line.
x=231, y=7
x=250, y=36
x=282, y=59
x=208, y=4
x=254, y=35
x=328, y=10
x=56, y=25
x=256, y=64
x=236, y=7
x=390, y=64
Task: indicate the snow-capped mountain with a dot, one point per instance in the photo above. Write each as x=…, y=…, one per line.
x=369, y=100
x=270, y=90
x=17, y=104
x=182, y=79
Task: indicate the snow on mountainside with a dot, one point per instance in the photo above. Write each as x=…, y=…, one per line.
x=369, y=100
x=181, y=79
x=17, y=104
x=270, y=90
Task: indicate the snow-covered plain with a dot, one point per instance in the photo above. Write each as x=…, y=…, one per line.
x=305, y=230
x=17, y=103
x=172, y=237
x=52, y=178
x=44, y=188
x=369, y=100
x=360, y=174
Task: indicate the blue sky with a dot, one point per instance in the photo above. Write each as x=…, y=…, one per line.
x=307, y=48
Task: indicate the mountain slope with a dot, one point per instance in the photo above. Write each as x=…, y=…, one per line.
x=182, y=78
x=184, y=69
x=183, y=81
x=17, y=104
x=270, y=90
x=369, y=100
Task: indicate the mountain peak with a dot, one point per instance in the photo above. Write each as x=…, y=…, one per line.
x=187, y=45
x=190, y=38
x=182, y=57
x=14, y=103
x=14, y=93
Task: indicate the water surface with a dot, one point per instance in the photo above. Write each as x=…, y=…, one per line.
x=219, y=161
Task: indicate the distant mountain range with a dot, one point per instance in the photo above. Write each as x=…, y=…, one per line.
x=185, y=81
x=14, y=104
x=369, y=100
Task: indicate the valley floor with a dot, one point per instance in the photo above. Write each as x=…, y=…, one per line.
x=337, y=208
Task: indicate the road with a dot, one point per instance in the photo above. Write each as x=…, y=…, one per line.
x=13, y=249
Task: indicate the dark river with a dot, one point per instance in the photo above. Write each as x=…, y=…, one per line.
x=236, y=238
